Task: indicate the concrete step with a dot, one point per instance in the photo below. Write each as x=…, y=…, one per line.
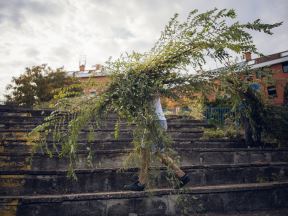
x=108, y=125
x=110, y=135
x=114, y=158
x=108, y=130
x=14, y=145
x=22, y=111
x=40, y=118
x=22, y=119
x=192, y=201
x=11, y=111
x=29, y=182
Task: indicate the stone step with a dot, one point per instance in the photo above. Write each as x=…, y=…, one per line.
x=22, y=119
x=192, y=201
x=108, y=130
x=106, y=134
x=114, y=158
x=22, y=111
x=29, y=182
x=14, y=145
x=38, y=119
x=11, y=111
x=108, y=125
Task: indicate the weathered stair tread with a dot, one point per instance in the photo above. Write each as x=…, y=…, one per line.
x=108, y=134
x=14, y=145
x=24, y=146
x=31, y=124
x=101, y=130
x=92, y=170
x=115, y=158
x=275, y=212
x=28, y=182
x=4, y=108
x=14, y=109
x=154, y=192
x=12, y=140
x=5, y=121
x=195, y=200
x=259, y=150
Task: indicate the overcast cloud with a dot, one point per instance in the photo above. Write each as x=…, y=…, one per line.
x=59, y=32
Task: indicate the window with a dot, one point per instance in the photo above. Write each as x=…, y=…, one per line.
x=272, y=91
x=285, y=67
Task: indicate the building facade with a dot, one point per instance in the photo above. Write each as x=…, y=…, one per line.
x=94, y=80
x=275, y=91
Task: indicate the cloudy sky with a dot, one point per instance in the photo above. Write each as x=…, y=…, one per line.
x=60, y=32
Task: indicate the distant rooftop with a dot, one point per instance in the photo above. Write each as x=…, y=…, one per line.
x=259, y=62
x=269, y=60
x=263, y=61
x=99, y=70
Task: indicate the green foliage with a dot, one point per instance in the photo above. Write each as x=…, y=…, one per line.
x=73, y=90
x=236, y=92
x=192, y=107
x=221, y=132
x=286, y=95
x=234, y=88
x=276, y=124
x=39, y=84
x=138, y=78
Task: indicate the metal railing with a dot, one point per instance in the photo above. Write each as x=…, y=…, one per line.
x=216, y=115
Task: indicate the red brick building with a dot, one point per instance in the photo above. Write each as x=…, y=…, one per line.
x=278, y=63
x=274, y=91
x=97, y=75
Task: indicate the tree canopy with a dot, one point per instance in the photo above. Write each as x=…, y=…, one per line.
x=38, y=84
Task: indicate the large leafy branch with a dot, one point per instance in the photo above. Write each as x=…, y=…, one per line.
x=137, y=77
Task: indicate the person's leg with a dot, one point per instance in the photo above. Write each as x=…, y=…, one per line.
x=139, y=185
x=168, y=161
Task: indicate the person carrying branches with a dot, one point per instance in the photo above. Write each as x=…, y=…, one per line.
x=158, y=149
x=136, y=77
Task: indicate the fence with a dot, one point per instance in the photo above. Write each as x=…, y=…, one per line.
x=216, y=114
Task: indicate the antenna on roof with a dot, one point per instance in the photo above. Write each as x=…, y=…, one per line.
x=82, y=62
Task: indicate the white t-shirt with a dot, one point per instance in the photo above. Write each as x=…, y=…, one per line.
x=158, y=109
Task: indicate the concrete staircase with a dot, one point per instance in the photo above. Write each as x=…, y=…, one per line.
x=226, y=178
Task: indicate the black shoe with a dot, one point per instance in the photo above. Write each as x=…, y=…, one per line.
x=183, y=181
x=136, y=186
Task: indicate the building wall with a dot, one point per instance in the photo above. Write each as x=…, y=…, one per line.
x=94, y=85
x=280, y=80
